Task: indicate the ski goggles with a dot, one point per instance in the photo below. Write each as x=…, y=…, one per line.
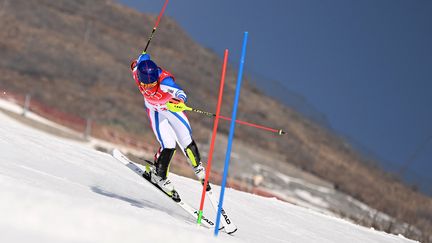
x=148, y=86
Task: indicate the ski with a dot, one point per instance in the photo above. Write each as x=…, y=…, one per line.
x=227, y=223
x=175, y=197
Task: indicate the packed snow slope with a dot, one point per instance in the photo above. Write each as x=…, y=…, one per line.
x=55, y=190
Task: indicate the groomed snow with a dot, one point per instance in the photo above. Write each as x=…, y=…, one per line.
x=55, y=190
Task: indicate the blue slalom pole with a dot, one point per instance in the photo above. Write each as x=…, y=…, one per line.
x=231, y=133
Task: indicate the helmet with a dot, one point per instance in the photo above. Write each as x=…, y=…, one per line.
x=144, y=56
x=148, y=72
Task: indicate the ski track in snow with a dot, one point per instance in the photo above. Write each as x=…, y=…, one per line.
x=56, y=190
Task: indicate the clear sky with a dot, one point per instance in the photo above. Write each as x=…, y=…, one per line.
x=366, y=65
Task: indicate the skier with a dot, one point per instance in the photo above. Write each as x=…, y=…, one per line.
x=160, y=91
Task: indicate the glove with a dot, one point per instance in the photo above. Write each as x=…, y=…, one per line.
x=175, y=101
x=176, y=105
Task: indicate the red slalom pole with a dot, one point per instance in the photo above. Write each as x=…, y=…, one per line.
x=213, y=139
x=156, y=25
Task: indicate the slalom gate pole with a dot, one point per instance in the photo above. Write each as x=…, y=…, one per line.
x=231, y=133
x=156, y=25
x=213, y=139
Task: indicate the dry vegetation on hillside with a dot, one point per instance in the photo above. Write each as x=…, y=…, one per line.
x=75, y=55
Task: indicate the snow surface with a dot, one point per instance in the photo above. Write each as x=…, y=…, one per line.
x=56, y=190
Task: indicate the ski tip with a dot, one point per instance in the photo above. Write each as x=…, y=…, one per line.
x=120, y=156
x=115, y=151
x=232, y=232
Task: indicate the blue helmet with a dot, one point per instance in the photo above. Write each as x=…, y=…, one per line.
x=148, y=72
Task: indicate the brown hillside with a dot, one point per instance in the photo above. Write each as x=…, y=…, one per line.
x=75, y=56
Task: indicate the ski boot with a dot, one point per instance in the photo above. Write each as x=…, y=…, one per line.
x=199, y=171
x=195, y=160
x=159, y=173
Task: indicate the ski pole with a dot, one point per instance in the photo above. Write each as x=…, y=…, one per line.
x=156, y=25
x=209, y=114
x=183, y=107
x=278, y=131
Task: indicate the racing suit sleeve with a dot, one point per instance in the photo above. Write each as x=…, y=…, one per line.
x=168, y=85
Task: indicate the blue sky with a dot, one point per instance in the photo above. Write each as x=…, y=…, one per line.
x=366, y=65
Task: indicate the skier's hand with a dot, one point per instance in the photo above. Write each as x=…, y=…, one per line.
x=133, y=64
x=175, y=101
x=176, y=105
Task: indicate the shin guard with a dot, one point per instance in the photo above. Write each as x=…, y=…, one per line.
x=193, y=154
x=163, y=162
